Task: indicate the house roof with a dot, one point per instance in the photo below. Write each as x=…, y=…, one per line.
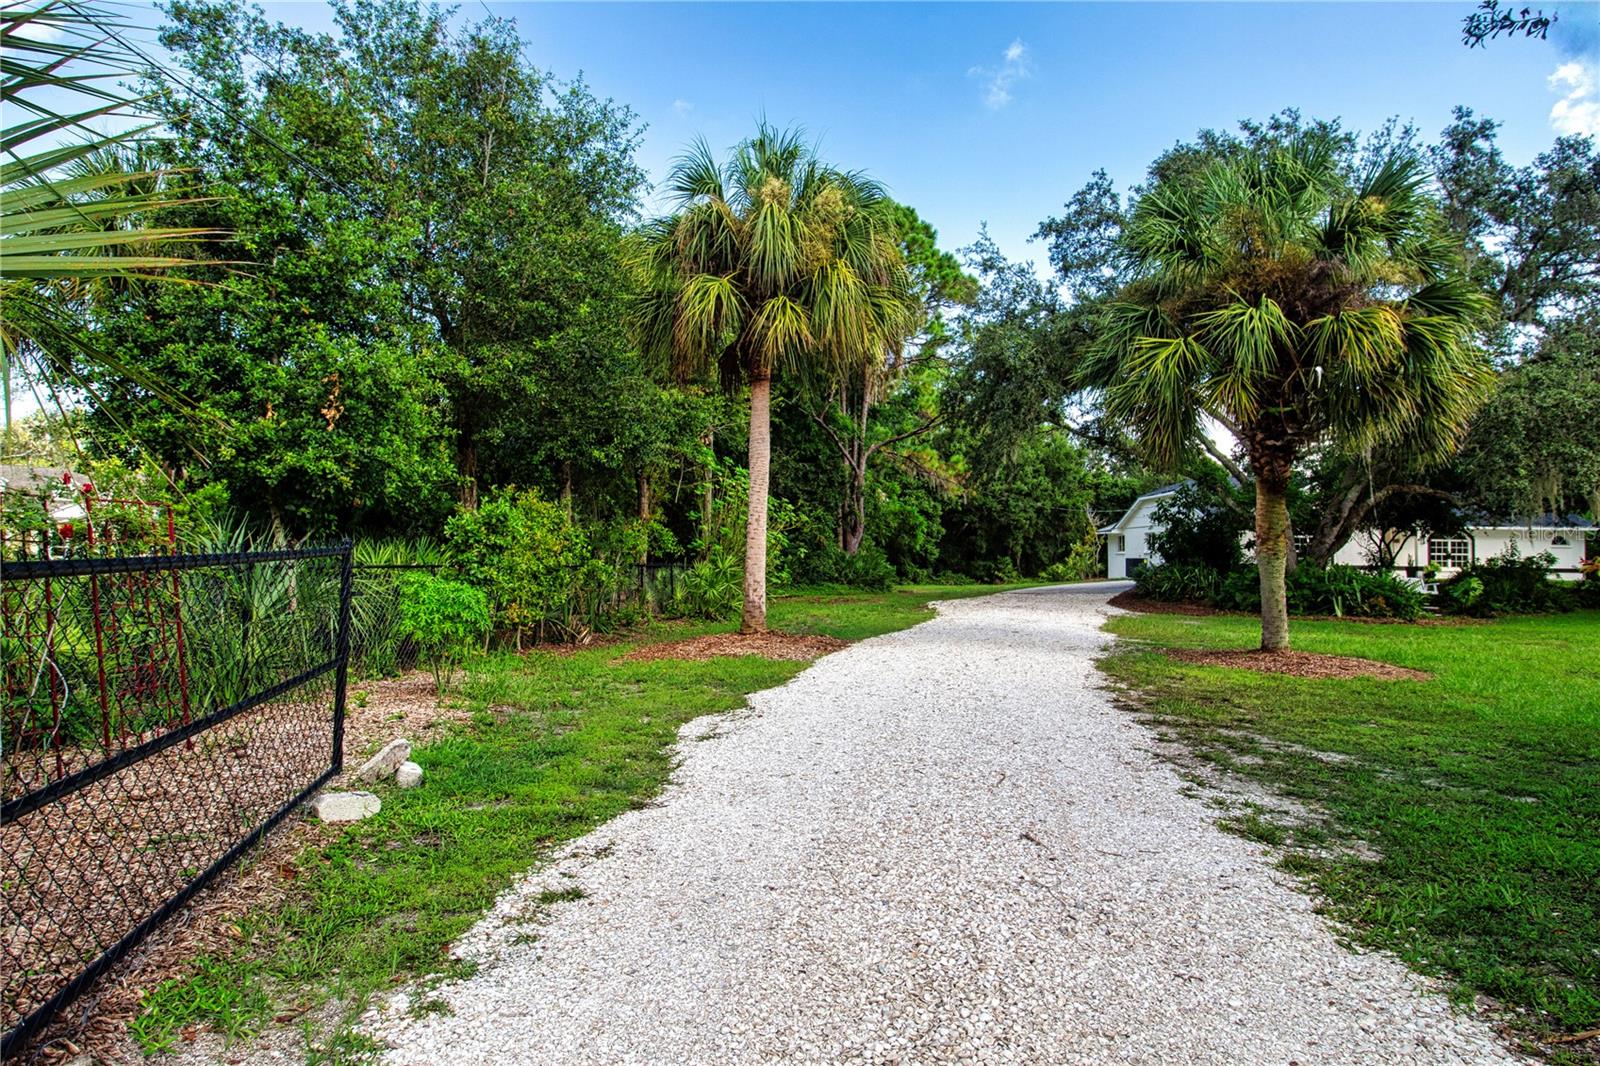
x=1544, y=521
x=1164, y=490
x=34, y=478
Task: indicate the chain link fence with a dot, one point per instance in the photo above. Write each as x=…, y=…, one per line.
x=162, y=713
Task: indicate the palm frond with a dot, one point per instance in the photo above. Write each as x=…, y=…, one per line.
x=787, y=263
x=1355, y=347
x=695, y=175
x=709, y=312
x=62, y=61
x=780, y=333
x=1156, y=395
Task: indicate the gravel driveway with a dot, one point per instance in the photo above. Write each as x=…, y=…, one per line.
x=942, y=845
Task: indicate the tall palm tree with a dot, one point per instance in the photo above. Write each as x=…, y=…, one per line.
x=772, y=263
x=1297, y=305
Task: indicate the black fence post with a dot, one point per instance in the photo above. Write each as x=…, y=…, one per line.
x=342, y=653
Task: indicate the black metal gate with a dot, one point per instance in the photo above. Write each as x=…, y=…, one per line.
x=162, y=713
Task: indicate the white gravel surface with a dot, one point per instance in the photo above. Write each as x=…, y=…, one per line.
x=942, y=845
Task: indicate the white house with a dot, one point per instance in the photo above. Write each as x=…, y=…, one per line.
x=1128, y=544
x=1562, y=538
x=1127, y=539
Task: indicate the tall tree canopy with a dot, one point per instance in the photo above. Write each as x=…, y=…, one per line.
x=426, y=256
x=1535, y=448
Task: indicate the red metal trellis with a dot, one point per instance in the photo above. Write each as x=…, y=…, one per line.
x=133, y=629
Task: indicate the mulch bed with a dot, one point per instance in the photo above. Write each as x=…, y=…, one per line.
x=1132, y=601
x=1299, y=664
x=794, y=647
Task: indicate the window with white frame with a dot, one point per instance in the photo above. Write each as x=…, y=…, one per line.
x=1450, y=553
x=1122, y=543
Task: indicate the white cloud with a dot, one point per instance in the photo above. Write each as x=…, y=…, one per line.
x=44, y=32
x=997, y=83
x=681, y=107
x=1579, y=110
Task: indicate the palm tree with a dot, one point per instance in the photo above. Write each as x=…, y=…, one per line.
x=772, y=263
x=1297, y=305
x=72, y=209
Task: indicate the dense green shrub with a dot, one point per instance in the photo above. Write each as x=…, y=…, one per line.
x=1588, y=594
x=1180, y=583
x=447, y=619
x=712, y=588
x=868, y=568
x=1343, y=591
x=1241, y=591
x=731, y=504
x=525, y=553
x=1082, y=561
x=1507, y=584
x=378, y=644
x=1001, y=571
x=1194, y=527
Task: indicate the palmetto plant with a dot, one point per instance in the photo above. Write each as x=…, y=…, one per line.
x=75, y=202
x=773, y=263
x=1298, y=305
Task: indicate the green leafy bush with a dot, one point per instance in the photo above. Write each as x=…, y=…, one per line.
x=1588, y=594
x=1507, y=584
x=378, y=646
x=1001, y=571
x=524, y=552
x=713, y=588
x=731, y=495
x=1461, y=595
x=1241, y=591
x=1343, y=591
x=447, y=619
x=1179, y=583
x=869, y=568
x=1193, y=527
x=1082, y=561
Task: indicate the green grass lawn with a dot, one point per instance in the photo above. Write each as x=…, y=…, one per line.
x=559, y=742
x=1476, y=794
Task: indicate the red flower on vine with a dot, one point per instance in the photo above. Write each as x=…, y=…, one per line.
x=65, y=530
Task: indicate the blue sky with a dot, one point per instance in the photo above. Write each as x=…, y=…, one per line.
x=997, y=112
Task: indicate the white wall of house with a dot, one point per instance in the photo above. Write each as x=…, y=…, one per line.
x=1128, y=543
x=1475, y=545
x=1128, y=540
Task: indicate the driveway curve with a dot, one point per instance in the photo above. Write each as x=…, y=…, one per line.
x=943, y=845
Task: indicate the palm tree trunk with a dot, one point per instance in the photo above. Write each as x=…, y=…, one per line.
x=644, y=518
x=1272, y=535
x=707, y=494
x=755, y=530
